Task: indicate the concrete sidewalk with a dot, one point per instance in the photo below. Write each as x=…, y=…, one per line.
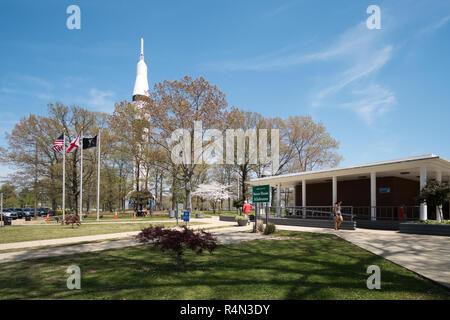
x=209, y=223
x=224, y=235
x=428, y=256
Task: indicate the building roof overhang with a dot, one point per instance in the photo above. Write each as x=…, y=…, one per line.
x=408, y=168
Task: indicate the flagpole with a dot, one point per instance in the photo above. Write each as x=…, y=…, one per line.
x=98, y=178
x=81, y=178
x=64, y=179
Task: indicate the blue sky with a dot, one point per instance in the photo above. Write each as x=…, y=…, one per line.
x=383, y=94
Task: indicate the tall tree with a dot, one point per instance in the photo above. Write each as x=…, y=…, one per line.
x=10, y=198
x=236, y=119
x=30, y=153
x=179, y=104
x=312, y=144
x=131, y=129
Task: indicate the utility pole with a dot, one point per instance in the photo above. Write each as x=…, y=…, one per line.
x=81, y=178
x=64, y=180
x=98, y=178
x=1, y=208
x=256, y=217
x=35, y=178
x=238, y=182
x=238, y=194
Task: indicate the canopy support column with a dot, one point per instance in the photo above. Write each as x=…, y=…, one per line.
x=334, y=190
x=373, y=196
x=423, y=205
x=304, y=198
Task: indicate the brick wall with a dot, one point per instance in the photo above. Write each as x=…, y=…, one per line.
x=357, y=192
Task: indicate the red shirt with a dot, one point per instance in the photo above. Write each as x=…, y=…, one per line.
x=247, y=208
x=401, y=213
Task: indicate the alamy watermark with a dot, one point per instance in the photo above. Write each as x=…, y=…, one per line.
x=74, y=280
x=209, y=147
x=74, y=20
x=374, y=21
x=374, y=281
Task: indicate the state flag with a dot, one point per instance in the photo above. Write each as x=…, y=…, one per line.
x=74, y=144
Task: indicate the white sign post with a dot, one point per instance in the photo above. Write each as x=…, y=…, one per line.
x=1, y=208
x=180, y=208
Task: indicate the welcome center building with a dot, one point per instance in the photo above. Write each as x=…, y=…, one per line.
x=378, y=191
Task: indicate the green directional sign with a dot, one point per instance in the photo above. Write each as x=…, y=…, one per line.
x=261, y=193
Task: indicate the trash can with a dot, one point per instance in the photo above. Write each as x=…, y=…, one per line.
x=27, y=218
x=171, y=213
x=6, y=221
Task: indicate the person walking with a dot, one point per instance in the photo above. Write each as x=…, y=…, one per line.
x=338, y=219
x=247, y=208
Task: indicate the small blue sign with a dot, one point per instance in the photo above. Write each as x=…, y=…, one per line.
x=385, y=190
x=186, y=216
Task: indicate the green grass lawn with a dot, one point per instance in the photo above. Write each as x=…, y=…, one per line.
x=218, y=212
x=305, y=266
x=29, y=233
x=109, y=218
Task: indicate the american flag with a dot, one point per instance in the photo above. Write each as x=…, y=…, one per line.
x=59, y=144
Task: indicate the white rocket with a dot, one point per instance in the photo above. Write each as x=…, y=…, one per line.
x=141, y=87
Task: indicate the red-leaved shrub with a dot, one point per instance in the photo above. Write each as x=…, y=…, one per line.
x=71, y=219
x=177, y=241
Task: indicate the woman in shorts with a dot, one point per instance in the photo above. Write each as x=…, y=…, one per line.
x=338, y=219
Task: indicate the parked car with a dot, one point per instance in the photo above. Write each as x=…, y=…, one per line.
x=14, y=211
x=9, y=213
x=19, y=212
x=43, y=211
x=28, y=212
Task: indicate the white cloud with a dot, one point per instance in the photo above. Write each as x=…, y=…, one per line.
x=33, y=80
x=360, y=69
x=9, y=91
x=38, y=95
x=351, y=63
x=434, y=27
x=371, y=102
x=274, y=60
x=100, y=100
x=358, y=55
x=280, y=9
x=24, y=84
x=43, y=96
x=351, y=41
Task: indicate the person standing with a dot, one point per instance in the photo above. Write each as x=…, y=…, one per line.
x=338, y=219
x=401, y=212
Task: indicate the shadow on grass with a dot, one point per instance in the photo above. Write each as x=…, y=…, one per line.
x=307, y=267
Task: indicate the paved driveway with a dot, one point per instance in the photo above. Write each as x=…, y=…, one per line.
x=428, y=256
